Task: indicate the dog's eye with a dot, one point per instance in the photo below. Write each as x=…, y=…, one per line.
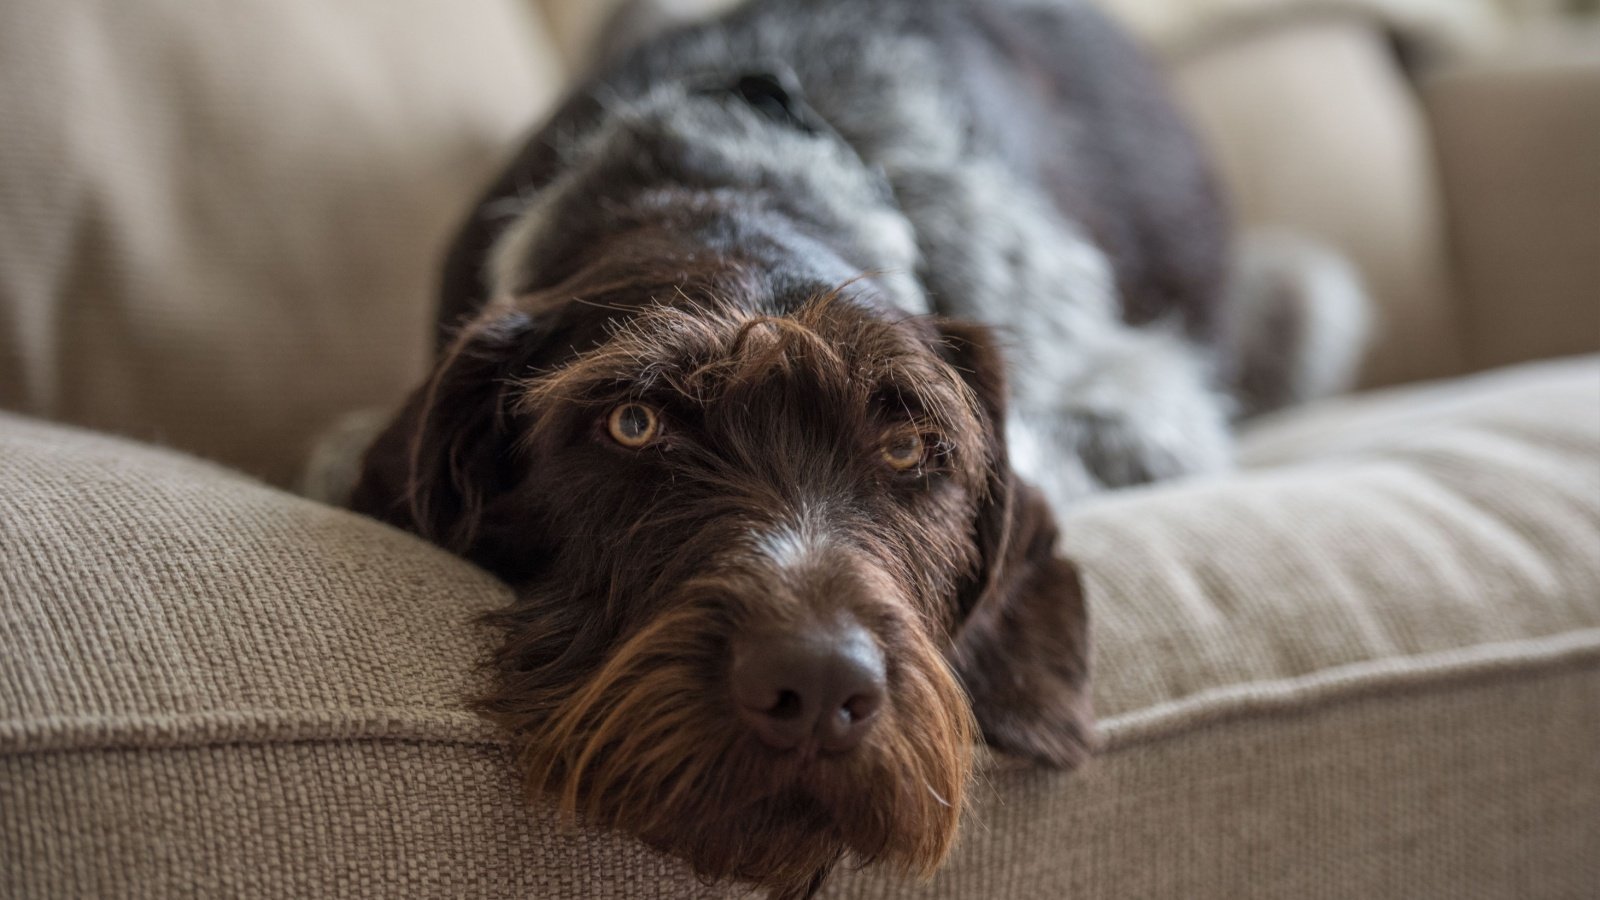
x=903, y=450
x=634, y=425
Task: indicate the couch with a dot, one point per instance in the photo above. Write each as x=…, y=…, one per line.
x=1364, y=664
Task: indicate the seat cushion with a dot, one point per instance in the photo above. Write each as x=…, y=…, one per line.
x=1367, y=664
x=1372, y=531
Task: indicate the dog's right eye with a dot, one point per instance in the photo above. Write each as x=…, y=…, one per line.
x=904, y=450
x=633, y=425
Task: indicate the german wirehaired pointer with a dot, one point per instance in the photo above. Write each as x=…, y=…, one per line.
x=761, y=372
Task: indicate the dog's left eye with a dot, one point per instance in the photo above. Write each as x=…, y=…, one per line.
x=903, y=450
x=633, y=425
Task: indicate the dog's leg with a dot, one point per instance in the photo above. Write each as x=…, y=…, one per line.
x=1093, y=402
x=1135, y=406
x=1099, y=405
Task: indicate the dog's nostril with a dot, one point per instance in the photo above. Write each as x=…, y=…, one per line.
x=788, y=706
x=861, y=706
x=818, y=687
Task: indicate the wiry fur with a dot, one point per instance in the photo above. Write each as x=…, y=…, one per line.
x=790, y=266
x=637, y=569
x=1033, y=227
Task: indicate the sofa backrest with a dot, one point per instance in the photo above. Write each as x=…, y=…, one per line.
x=220, y=223
x=220, y=226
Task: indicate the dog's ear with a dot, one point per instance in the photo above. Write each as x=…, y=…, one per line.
x=453, y=445
x=1022, y=643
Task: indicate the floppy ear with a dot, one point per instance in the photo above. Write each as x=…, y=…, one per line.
x=1022, y=646
x=438, y=466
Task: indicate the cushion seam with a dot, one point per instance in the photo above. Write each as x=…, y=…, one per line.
x=1251, y=700
x=1389, y=676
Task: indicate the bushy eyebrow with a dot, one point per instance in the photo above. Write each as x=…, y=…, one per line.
x=692, y=355
x=896, y=402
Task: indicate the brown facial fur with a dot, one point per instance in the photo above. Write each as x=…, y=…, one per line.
x=765, y=502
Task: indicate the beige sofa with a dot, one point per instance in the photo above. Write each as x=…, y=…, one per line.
x=1367, y=664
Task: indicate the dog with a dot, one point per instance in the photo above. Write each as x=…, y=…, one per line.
x=763, y=371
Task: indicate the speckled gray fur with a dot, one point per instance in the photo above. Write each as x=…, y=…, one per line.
x=907, y=182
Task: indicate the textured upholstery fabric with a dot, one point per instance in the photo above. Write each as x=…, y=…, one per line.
x=220, y=223
x=1437, y=27
x=1485, y=788
x=212, y=688
x=1388, y=525
x=1518, y=139
x=1365, y=666
x=1314, y=128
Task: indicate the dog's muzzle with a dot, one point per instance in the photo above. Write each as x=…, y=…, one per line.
x=816, y=690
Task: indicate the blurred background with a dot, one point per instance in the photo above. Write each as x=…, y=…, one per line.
x=220, y=223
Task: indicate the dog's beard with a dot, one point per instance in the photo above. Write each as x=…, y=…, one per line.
x=649, y=745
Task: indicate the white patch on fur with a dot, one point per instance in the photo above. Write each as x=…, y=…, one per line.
x=792, y=542
x=785, y=547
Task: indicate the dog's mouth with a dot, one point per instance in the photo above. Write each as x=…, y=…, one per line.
x=815, y=814
x=650, y=745
x=836, y=790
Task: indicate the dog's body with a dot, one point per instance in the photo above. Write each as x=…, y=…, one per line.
x=1013, y=163
x=709, y=395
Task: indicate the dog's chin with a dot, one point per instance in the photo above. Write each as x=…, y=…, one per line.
x=786, y=843
x=643, y=748
x=775, y=821
x=647, y=747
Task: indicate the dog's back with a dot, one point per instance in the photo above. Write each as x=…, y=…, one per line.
x=1017, y=163
x=1008, y=133
x=691, y=405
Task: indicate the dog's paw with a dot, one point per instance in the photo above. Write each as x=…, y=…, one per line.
x=1298, y=325
x=1140, y=409
x=1119, y=450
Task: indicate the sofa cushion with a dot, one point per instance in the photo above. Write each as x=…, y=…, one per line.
x=1434, y=27
x=1371, y=531
x=220, y=223
x=1517, y=141
x=209, y=687
x=1365, y=666
x=1313, y=127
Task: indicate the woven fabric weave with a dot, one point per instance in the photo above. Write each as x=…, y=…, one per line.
x=209, y=687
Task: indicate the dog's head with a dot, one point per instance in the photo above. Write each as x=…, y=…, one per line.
x=774, y=572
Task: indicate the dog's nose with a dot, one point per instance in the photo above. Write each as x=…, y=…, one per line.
x=824, y=683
